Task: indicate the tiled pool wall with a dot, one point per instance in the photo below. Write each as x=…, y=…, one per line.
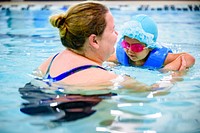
x=128, y=5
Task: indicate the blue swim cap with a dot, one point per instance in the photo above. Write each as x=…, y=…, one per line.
x=142, y=28
x=148, y=24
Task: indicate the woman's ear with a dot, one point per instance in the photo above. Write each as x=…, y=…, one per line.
x=93, y=41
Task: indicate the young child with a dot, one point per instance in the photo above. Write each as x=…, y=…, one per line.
x=138, y=47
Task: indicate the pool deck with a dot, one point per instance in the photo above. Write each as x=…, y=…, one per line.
x=133, y=2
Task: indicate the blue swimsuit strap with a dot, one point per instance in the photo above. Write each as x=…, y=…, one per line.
x=72, y=71
x=47, y=72
x=69, y=72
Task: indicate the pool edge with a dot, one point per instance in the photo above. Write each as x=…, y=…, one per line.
x=105, y=2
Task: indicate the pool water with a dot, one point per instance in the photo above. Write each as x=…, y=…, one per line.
x=27, y=38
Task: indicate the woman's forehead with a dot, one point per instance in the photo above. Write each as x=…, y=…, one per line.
x=109, y=20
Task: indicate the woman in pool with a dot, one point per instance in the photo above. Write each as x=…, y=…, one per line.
x=87, y=31
x=138, y=47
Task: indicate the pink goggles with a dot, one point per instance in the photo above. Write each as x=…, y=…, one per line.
x=136, y=47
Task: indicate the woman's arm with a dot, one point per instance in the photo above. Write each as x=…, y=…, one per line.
x=127, y=82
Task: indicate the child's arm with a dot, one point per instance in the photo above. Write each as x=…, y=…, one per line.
x=178, y=62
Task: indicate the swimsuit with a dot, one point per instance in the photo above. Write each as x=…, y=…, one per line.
x=155, y=59
x=69, y=72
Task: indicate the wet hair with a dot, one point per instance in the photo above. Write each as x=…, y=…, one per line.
x=79, y=22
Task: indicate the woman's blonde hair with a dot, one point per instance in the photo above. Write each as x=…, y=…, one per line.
x=79, y=22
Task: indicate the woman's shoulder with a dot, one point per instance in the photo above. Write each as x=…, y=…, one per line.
x=44, y=66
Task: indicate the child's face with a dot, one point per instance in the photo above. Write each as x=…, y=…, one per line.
x=135, y=56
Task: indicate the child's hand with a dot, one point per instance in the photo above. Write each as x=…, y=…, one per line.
x=179, y=64
x=183, y=64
